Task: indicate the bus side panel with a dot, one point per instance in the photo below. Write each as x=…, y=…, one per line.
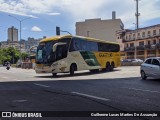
x=104, y=57
x=118, y=59
x=83, y=59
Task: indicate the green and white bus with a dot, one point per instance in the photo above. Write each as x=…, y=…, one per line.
x=73, y=53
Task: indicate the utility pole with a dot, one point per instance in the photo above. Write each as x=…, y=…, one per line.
x=12, y=45
x=20, y=23
x=137, y=14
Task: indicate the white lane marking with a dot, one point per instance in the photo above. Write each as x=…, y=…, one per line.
x=142, y=90
x=41, y=85
x=90, y=96
x=16, y=80
x=5, y=77
x=19, y=100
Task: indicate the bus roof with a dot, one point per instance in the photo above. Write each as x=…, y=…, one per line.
x=55, y=38
x=70, y=36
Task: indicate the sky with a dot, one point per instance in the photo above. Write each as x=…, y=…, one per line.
x=40, y=17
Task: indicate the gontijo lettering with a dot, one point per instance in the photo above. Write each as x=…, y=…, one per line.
x=105, y=55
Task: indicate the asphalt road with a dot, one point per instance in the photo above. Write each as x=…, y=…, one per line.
x=120, y=90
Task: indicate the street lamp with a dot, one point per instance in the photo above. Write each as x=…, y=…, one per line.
x=137, y=14
x=20, y=22
x=136, y=35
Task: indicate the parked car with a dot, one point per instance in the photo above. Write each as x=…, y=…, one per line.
x=127, y=60
x=150, y=68
x=137, y=60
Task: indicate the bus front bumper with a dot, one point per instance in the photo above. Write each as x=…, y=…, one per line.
x=43, y=70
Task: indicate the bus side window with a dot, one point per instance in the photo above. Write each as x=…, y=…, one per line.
x=108, y=47
x=114, y=48
x=61, y=52
x=101, y=47
x=71, y=46
x=76, y=45
x=93, y=46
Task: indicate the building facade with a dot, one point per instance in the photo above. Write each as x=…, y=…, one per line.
x=32, y=42
x=22, y=45
x=6, y=44
x=12, y=34
x=144, y=41
x=100, y=29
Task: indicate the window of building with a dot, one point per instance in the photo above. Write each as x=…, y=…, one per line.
x=139, y=34
x=140, y=53
x=159, y=40
x=131, y=44
x=154, y=32
x=149, y=33
x=149, y=42
x=126, y=37
x=129, y=37
x=143, y=34
x=141, y=43
x=127, y=45
x=159, y=31
x=154, y=41
x=134, y=36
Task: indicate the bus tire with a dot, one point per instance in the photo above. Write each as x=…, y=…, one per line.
x=108, y=66
x=112, y=66
x=73, y=68
x=54, y=74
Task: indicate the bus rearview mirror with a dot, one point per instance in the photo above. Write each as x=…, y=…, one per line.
x=57, y=44
x=54, y=48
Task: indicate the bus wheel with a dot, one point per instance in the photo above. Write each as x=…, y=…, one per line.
x=108, y=66
x=54, y=74
x=72, y=69
x=112, y=66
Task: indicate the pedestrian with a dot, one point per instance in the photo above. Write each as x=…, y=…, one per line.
x=8, y=65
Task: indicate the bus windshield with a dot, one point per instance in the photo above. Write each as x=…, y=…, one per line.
x=45, y=53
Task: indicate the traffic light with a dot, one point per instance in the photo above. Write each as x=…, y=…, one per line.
x=57, y=30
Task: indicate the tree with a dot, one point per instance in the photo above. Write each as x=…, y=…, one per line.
x=10, y=53
x=4, y=55
x=24, y=56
